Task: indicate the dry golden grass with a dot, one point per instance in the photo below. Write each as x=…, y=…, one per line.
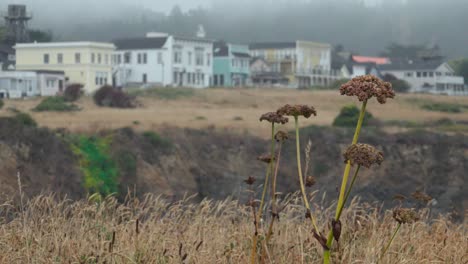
x=220, y=107
x=60, y=231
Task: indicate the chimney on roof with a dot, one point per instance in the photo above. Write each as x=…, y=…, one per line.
x=201, y=33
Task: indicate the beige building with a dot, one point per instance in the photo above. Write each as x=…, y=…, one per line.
x=87, y=63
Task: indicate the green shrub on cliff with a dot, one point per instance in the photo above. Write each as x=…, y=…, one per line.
x=349, y=116
x=100, y=171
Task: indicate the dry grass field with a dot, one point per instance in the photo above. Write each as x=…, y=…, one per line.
x=233, y=109
x=47, y=230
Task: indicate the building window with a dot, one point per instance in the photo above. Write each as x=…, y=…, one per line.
x=145, y=58
x=77, y=58
x=409, y=74
x=106, y=61
x=199, y=57
x=139, y=58
x=221, y=80
x=50, y=83
x=189, y=58
x=119, y=58
x=46, y=59
x=202, y=79
x=127, y=57
x=208, y=59
x=438, y=74
x=215, y=80
x=145, y=78
x=418, y=74
x=60, y=58
x=431, y=74
x=175, y=77
x=99, y=58
x=189, y=78
x=93, y=58
x=177, y=56
x=424, y=74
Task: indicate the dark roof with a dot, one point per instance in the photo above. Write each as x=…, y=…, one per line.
x=241, y=54
x=272, y=45
x=140, y=43
x=221, y=49
x=404, y=65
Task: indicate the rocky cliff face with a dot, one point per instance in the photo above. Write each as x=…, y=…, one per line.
x=214, y=164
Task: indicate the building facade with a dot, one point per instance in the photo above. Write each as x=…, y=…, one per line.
x=86, y=63
x=427, y=77
x=163, y=60
x=231, y=65
x=20, y=84
x=304, y=63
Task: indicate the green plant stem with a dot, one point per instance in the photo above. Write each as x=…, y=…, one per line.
x=350, y=187
x=389, y=242
x=301, y=178
x=341, y=199
x=274, y=206
x=262, y=201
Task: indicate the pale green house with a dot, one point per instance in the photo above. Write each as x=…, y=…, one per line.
x=231, y=65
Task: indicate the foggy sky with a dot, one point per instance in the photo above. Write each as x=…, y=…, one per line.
x=364, y=26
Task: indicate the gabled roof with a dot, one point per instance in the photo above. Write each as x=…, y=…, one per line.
x=404, y=65
x=140, y=43
x=376, y=60
x=272, y=45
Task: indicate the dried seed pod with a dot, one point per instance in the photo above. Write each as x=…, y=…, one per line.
x=265, y=158
x=368, y=86
x=281, y=136
x=297, y=110
x=363, y=155
x=336, y=227
x=273, y=117
x=322, y=240
x=250, y=180
x=405, y=215
x=310, y=181
x=420, y=196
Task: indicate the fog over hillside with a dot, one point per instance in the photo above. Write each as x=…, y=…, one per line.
x=362, y=26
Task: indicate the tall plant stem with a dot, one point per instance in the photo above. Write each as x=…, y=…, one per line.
x=253, y=254
x=389, y=242
x=341, y=199
x=274, y=206
x=350, y=187
x=301, y=178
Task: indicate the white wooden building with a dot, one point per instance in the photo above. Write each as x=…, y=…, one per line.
x=20, y=84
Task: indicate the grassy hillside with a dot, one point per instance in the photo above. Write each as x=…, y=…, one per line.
x=238, y=110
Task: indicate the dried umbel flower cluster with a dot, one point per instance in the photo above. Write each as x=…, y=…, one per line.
x=363, y=155
x=310, y=181
x=297, y=110
x=366, y=87
x=250, y=180
x=405, y=215
x=273, y=117
x=281, y=136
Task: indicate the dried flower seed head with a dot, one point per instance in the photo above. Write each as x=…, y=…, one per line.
x=405, y=215
x=310, y=181
x=297, y=110
x=265, y=158
x=363, y=155
x=366, y=87
x=273, y=117
x=420, y=196
x=250, y=180
x=336, y=227
x=281, y=136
